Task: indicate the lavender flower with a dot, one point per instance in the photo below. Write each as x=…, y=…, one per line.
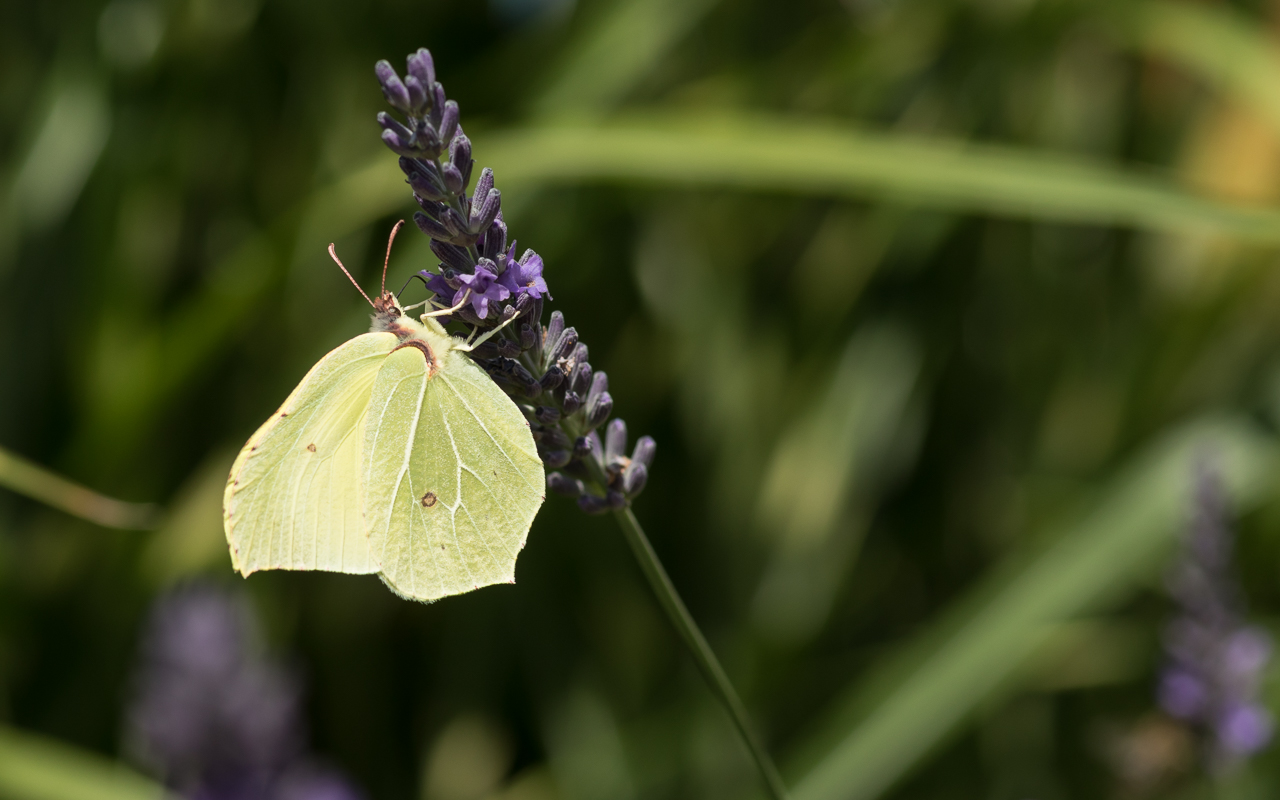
x=1214, y=659
x=212, y=719
x=524, y=276
x=528, y=360
x=483, y=287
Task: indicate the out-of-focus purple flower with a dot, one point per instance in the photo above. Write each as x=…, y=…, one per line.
x=1182, y=694
x=209, y=715
x=484, y=288
x=525, y=276
x=311, y=782
x=1214, y=659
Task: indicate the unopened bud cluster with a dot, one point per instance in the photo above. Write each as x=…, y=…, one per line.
x=543, y=368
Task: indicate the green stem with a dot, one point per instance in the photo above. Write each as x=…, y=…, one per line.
x=38, y=483
x=697, y=644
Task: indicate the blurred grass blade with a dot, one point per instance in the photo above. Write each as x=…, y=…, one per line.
x=66, y=148
x=889, y=721
x=813, y=157
x=37, y=768
x=38, y=483
x=829, y=465
x=1217, y=44
x=615, y=52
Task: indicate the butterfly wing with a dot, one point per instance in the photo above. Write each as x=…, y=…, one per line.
x=293, y=498
x=452, y=478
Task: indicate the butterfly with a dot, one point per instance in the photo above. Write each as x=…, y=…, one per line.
x=397, y=455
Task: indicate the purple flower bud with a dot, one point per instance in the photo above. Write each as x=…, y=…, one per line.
x=557, y=458
x=507, y=347
x=599, y=385
x=580, y=378
x=460, y=157
x=390, y=123
x=598, y=409
x=483, y=184
x=556, y=439
x=422, y=67
x=591, y=504
x=634, y=478
x=449, y=122
x=437, y=107
x=560, y=483
x=555, y=327
x=483, y=216
x=392, y=87
x=417, y=95
x=582, y=447
x=453, y=178
x=431, y=227
x=399, y=146
x=552, y=378
x=645, y=449
x=564, y=347
x=495, y=238
x=527, y=337
x=428, y=141
x=547, y=415
x=452, y=221
x=572, y=402
x=424, y=179
x=615, y=499
x=615, y=440
x=452, y=256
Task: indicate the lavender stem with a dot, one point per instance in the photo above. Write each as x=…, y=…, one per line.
x=702, y=653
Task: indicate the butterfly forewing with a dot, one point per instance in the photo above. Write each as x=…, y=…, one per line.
x=293, y=498
x=452, y=479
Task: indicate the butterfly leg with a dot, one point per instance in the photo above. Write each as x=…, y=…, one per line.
x=444, y=311
x=473, y=343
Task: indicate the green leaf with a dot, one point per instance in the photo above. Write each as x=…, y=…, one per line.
x=888, y=721
x=36, y=768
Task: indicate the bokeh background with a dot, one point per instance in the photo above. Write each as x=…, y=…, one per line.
x=931, y=305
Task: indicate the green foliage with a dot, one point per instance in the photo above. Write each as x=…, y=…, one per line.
x=36, y=768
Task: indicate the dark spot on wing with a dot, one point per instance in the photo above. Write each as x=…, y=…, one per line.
x=429, y=500
x=311, y=447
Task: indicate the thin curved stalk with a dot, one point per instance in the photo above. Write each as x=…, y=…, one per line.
x=707, y=662
x=38, y=483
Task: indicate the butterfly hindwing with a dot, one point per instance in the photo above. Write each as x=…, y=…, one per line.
x=452, y=476
x=293, y=498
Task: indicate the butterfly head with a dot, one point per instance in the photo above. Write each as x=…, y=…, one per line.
x=388, y=315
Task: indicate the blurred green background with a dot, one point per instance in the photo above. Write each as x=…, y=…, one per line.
x=929, y=304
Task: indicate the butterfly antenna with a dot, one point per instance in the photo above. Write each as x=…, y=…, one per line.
x=334, y=255
x=387, y=260
x=406, y=283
